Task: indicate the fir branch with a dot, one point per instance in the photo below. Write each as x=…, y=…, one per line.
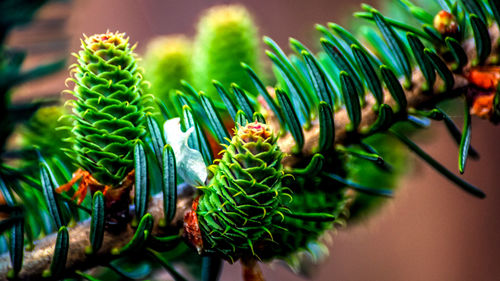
x=39, y=259
x=416, y=97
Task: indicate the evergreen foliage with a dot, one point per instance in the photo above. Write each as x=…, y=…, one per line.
x=267, y=197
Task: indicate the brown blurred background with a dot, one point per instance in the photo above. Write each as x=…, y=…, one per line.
x=430, y=231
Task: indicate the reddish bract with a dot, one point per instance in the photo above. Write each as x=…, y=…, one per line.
x=483, y=106
x=192, y=228
x=482, y=100
x=484, y=77
x=88, y=181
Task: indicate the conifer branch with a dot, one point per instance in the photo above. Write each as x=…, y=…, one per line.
x=39, y=259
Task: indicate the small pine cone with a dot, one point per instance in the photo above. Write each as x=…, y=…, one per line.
x=241, y=207
x=41, y=132
x=109, y=115
x=167, y=61
x=226, y=36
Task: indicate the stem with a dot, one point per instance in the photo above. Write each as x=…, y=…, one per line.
x=251, y=270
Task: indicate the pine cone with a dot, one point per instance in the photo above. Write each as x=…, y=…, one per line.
x=109, y=115
x=41, y=132
x=226, y=36
x=167, y=61
x=241, y=206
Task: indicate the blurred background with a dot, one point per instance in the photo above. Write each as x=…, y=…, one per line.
x=431, y=230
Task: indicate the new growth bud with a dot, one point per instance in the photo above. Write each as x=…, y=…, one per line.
x=446, y=24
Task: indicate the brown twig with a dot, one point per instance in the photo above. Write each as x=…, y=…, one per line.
x=38, y=260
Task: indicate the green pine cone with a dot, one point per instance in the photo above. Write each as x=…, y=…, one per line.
x=167, y=61
x=109, y=112
x=238, y=211
x=226, y=36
